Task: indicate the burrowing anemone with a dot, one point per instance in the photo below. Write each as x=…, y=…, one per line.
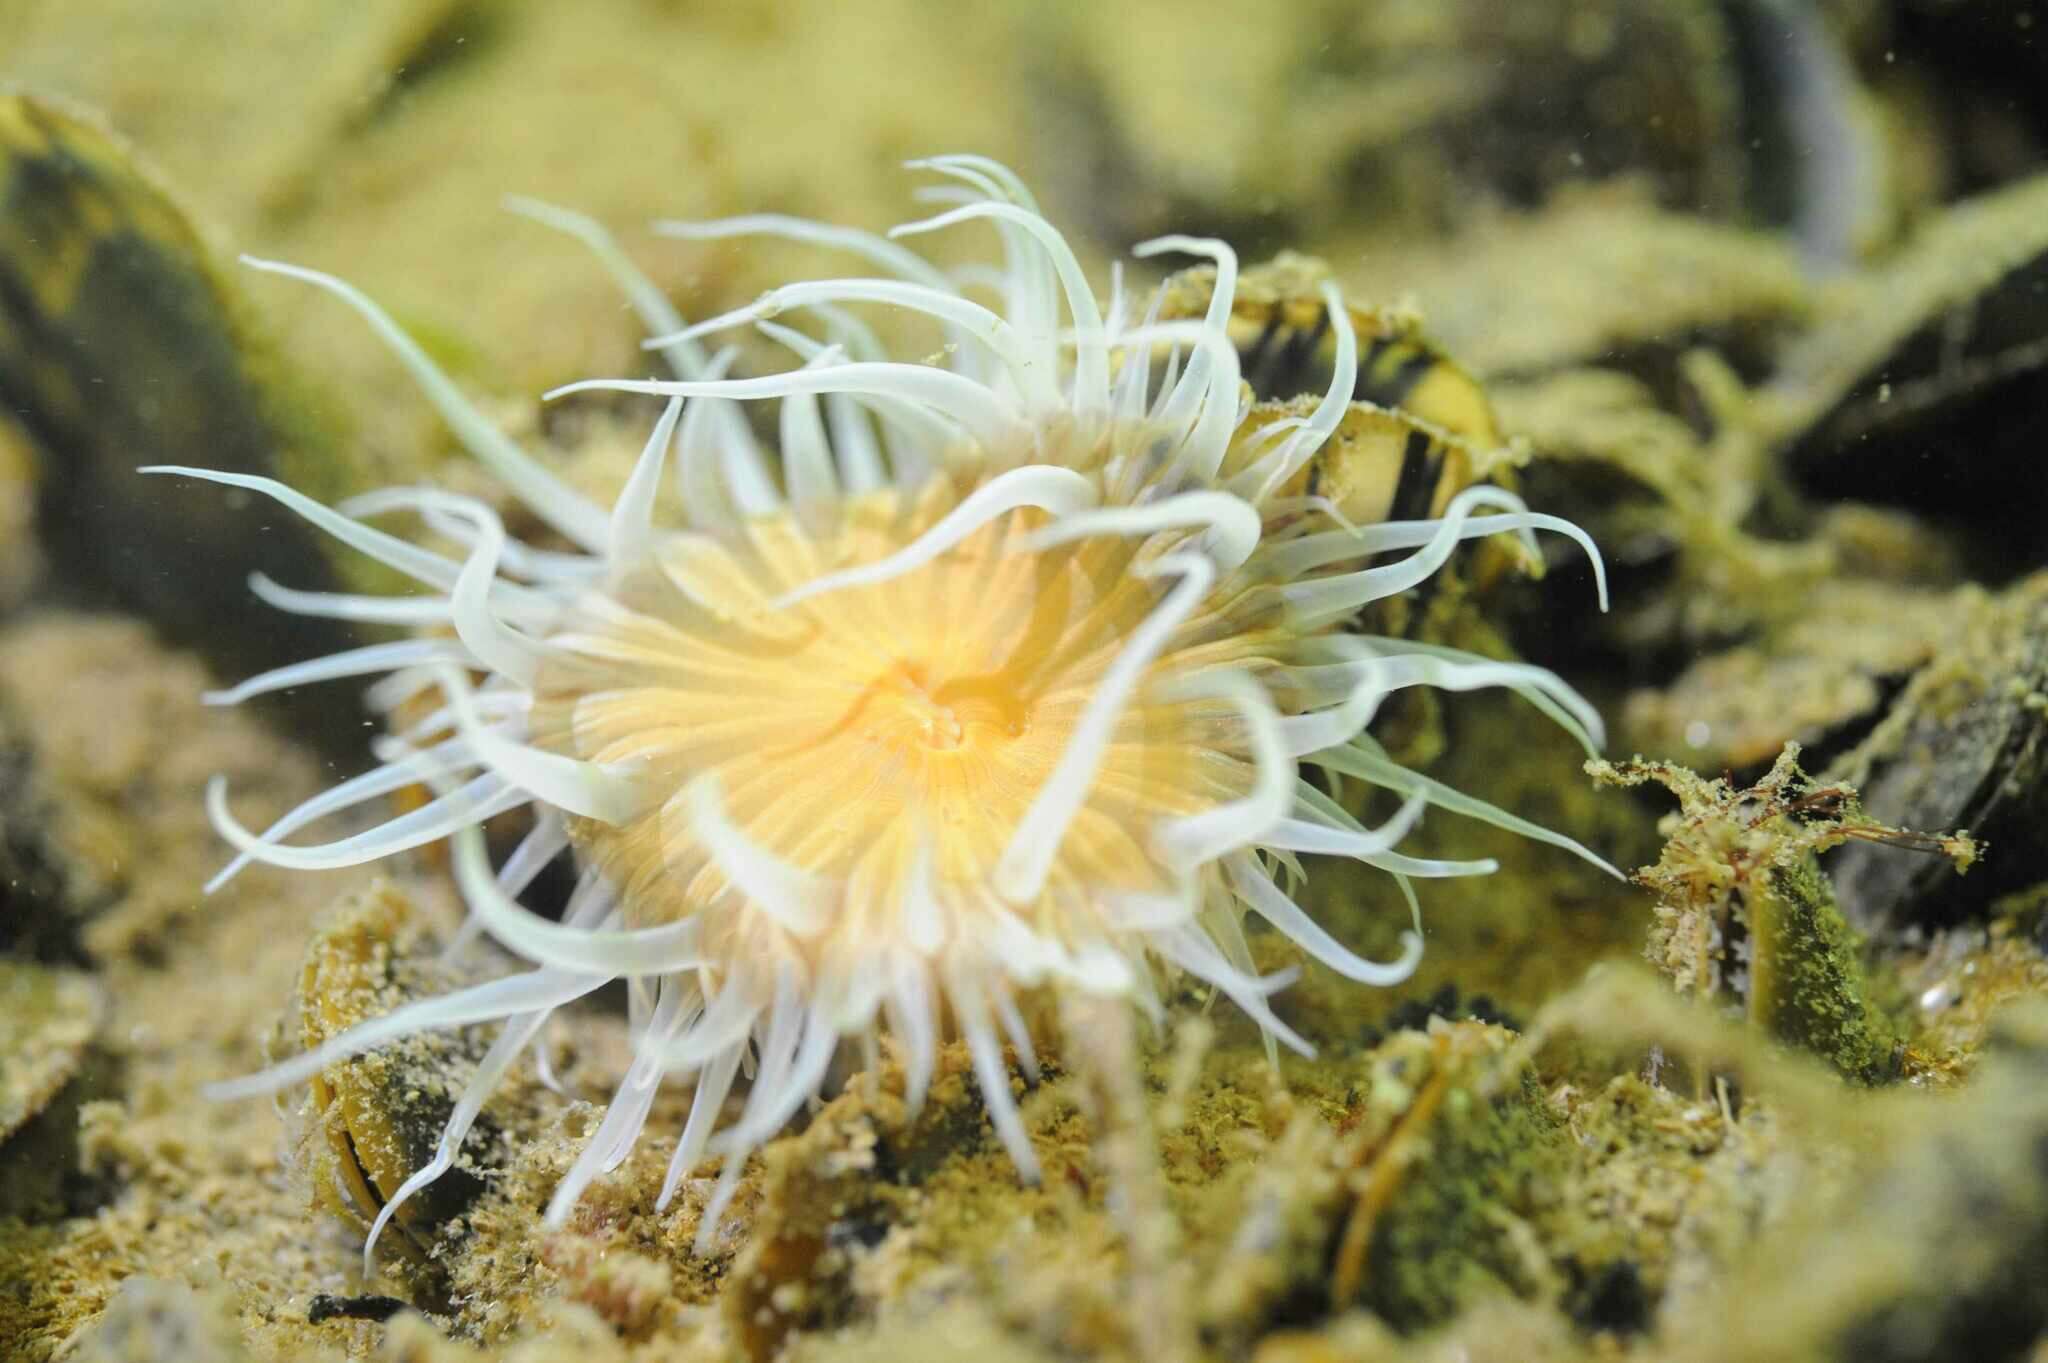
x=994, y=675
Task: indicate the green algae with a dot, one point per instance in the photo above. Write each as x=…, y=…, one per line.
x=1460, y=1227
x=1744, y=912
x=1807, y=983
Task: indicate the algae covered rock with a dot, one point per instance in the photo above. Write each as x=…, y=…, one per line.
x=1457, y=1166
x=1745, y=913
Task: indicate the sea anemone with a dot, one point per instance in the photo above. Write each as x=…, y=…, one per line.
x=995, y=674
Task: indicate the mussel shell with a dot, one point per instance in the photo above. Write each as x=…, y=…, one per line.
x=1964, y=747
x=1927, y=390
x=121, y=345
x=378, y=1118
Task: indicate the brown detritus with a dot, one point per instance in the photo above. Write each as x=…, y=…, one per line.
x=1494, y=1329
x=1744, y=913
x=115, y=748
x=830, y=1200
x=1279, y=1199
x=21, y=561
x=943, y=1331
x=817, y=1207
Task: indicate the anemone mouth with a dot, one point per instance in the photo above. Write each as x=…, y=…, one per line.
x=906, y=724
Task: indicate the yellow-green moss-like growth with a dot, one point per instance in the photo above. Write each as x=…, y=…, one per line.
x=1744, y=912
x=1806, y=982
x=1441, y=1187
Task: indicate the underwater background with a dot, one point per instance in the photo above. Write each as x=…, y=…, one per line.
x=1756, y=291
